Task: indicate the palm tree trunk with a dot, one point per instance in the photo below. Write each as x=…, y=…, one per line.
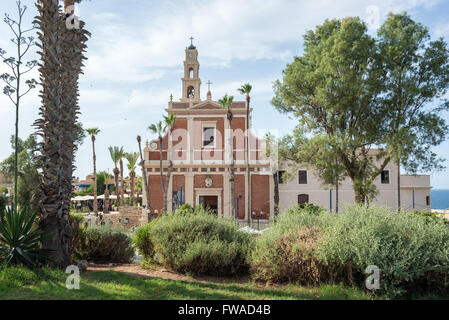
x=144, y=174
x=61, y=52
x=122, y=184
x=232, y=178
x=95, y=175
x=164, y=190
x=276, y=192
x=248, y=210
x=117, y=192
x=132, y=176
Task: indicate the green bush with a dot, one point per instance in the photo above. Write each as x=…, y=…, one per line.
x=286, y=252
x=143, y=242
x=197, y=243
x=412, y=253
x=19, y=239
x=429, y=216
x=102, y=244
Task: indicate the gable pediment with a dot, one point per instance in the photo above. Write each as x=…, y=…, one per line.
x=211, y=105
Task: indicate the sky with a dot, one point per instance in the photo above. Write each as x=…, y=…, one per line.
x=136, y=53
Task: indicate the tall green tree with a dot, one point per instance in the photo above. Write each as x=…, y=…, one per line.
x=226, y=103
x=416, y=77
x=332, y=89
x=115, y=153
x=245, y=89
x=93, y=132
x=162, y=128
x=22, y=41
x=132, y=158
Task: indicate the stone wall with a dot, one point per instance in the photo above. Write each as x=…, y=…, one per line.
x=127, y=218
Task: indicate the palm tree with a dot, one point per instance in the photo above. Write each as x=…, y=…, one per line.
x=93, y=132
x=144, y=173
x=115, y=153
x=246, y=90
x=62, y=55
x=122, y=190
x=132, y=161
x=160, y=129
x=226, y=103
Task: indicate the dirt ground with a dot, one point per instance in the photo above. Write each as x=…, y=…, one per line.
x=153, y=272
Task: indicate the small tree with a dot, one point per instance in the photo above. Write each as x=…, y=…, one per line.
x=19, y=68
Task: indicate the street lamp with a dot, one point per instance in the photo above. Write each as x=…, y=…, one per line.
x=239, y=197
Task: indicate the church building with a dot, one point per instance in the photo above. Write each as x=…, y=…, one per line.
x=202, y=144
x=199, y=146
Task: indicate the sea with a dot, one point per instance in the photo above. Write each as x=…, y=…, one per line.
x=439, y=198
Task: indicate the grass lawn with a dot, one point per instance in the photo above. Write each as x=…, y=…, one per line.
x=23, y=284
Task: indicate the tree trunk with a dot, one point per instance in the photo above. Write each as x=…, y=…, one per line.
x=276, y=192
x=144, y=174
x=232, y=178
x=117, y=193
x=122, y=184
x=95, y=175
x=132, y=175
x=61, y=52
x=399, y=185
x=248, y=205
x=162, y=175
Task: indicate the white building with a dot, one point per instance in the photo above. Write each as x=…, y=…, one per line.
x=306, y=187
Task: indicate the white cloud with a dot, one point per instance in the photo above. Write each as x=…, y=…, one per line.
x=123, y=50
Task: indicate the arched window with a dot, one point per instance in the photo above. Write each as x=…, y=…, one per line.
x=303, y=198
x=190, y=73
x=190, y=92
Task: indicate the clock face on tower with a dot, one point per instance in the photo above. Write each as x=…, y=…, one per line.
x=191, y=55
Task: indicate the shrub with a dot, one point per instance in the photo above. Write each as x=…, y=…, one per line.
x=19, y=239
x=103, y=244
x=197, y=243
x=412, y=253
x=286, y=252
x=143, y=242
x=186, y=209
x=429, y=216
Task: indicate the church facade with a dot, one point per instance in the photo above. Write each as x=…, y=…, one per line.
x=200, y=148
x=202, y=144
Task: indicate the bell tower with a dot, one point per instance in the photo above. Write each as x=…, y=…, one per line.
x=191, y=82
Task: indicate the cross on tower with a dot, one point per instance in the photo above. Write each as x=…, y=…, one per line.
x=191, y=40
x=208, y=85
